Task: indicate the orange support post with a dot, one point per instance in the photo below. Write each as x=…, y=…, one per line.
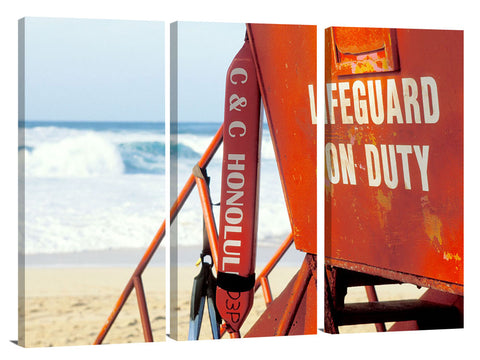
x=142, y=305
x=262, y=277
x=208, y=216
x=299, y=289
x=372, y=297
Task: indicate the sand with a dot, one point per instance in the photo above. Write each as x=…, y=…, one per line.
x=384, y=293
x=278, y=279
x=69, y=306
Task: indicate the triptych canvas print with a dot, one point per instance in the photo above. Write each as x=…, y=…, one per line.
x=201, y=223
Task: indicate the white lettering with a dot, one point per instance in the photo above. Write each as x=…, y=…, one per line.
x=231, y=228
x=410, y=94
x=431, y=114
x=236, y=101
x=236, y=195
x=332, y=171
x=235, y=180
x=368, y=101
x=344, y=102
x=390, y=181
x=313, y=106
x=230, y=260
x=236, y=166
x=360, y=106
x=332, y=103
x=238, y=71
x=231, y=243
x=404, y=150
x=347, y=164
x=234, y=215
x=380, y=160
x=377, y=117
x=237, y=125
x=373, y=165
x=422, y=161
x=393, y=103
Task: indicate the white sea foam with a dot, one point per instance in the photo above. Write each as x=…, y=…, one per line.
x=96, y=213
x=273, y=221
x=84, y=155
x=90, y=189
x=38, y=135
x=199, y=144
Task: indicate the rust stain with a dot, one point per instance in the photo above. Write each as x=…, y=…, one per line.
x=449, y=256
x=384, y=205
x=385, y=201
x=363, y=67
x=432, y=223
x=355, y=135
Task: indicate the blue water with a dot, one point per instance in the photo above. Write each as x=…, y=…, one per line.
x=273, y=221
x=97, y=147
x=93, y=186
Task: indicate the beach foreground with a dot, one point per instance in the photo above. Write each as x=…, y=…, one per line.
x=69, y=306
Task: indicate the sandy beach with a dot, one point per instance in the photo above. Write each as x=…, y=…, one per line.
x=69, y=306
x=384, y=293
x=278, y=279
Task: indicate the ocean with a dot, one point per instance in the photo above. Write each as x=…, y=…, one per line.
x=95, y=191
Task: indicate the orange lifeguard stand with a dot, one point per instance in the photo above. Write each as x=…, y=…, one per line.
x=285, y=60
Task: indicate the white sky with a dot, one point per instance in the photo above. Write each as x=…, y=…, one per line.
x=113, y=70
x=205, y=51
x=96, y=70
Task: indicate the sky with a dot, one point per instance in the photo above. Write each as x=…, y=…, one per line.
x=94, y=70
x=205, y=51
x=113, y=70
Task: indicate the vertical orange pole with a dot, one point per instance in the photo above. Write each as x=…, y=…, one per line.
x=206, y=203
x=372, y=297
x=275, y=258
x=142, y=305
x=298, y=290
x=262, y=277
x=267, y=292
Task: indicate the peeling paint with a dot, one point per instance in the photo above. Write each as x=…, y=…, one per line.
x=384, y=205
x=449, y=256
x=385, y=201
x=432, y=223
x=355, y=135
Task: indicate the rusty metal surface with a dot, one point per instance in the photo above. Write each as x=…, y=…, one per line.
x=372, y=297
x=455, y=320
x=394, y=163
x=294, y=311
x=364, y=50
x=433, y=310
x=285, y=56
x=396, y=310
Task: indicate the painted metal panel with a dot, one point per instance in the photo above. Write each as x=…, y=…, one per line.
x=394, y=161
x=285, y=57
